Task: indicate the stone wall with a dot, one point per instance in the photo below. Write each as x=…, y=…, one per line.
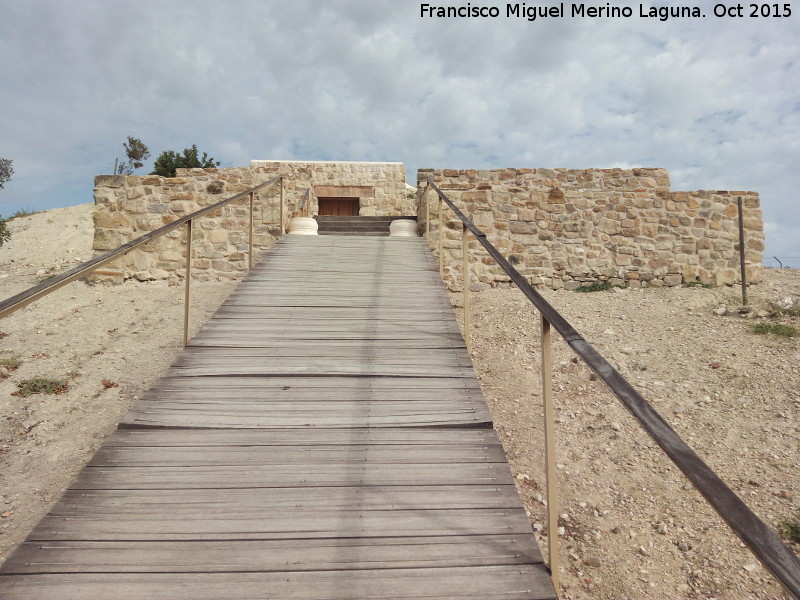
x=565, y=228
x=380, y=187
x=130, y=206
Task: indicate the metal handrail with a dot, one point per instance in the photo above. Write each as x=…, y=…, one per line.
x=36, y=292
x=762, y=541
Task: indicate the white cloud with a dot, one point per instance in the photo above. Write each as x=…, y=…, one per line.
x=713, y=100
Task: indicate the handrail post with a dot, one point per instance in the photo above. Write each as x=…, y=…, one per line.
x=250, y=237
x=441, y=233
x=283, y=208
x=427, y=215
x=465, y=252
x=550, y=453
x=187, y=292
x=741, y=253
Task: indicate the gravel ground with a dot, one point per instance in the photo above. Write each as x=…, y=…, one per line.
x=633, y=527
x=108, y=343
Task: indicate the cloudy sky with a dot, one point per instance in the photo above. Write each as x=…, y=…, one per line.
x=716, y=100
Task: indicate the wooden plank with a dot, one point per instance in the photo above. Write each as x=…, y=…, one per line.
x=143, y=503
x=298, y=455
x=508, y=582
x=287, y=523
x=273, y=555
x=198, y=420
x=260, y=476
x=327, y=437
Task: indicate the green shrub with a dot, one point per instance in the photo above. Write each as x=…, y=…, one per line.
x=5, y=234
x=41, y=385
x=690, y=284
x=24, y=212
x=169, y=161
x=598, y=286
x=775, y=328
x=791, y=528
x=792, y=311
x=11, y=362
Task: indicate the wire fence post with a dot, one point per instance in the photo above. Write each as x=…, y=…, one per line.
x=741, y=253
x=550, y=453
x=441, y=233
x=465, y=252
x=250, y=236
x=283, y=208
x=427, y=197
x=187, y=290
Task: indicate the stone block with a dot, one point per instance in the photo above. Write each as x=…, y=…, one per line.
x=673, y=280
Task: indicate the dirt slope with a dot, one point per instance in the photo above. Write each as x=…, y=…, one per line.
x=633, y=527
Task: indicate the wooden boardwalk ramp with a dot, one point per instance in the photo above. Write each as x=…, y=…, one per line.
x=323, y=437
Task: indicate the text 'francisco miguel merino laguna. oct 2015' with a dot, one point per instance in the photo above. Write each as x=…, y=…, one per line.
x=606, y=11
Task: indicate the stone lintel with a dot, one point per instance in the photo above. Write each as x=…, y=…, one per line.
x=344, y=191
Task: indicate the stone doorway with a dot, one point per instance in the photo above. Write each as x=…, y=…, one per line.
x=338, y=207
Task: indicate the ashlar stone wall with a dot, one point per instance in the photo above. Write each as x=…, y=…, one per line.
x=127, y=207
x=565, y=228
x=380, y=187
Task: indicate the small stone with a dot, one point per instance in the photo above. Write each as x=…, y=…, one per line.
x=751, y=567
x=683, y=546
x=785, y=303
x=593, y=561
x=644, y=551
x=721, y=311
x=662, y=528
x=615, y=426
x=627, y=350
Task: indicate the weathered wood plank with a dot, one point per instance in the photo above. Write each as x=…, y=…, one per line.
x=260, y=476
x=243, y=500
x=510, y=582
x=327, y=437
x=298, y=455
x=273, y=555
x=287, y=523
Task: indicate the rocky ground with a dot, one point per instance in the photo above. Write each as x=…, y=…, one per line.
x=633, y=527
x=107, y=343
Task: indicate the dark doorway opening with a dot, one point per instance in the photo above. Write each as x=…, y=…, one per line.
x=338, y=207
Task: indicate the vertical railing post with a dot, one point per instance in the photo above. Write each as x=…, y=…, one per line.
x=187, y=292
x=427, y=197
x=250, y=237
x=550, y=453
x=283, y=209
x=465, y=252
x=741, y=253
x=441, y=234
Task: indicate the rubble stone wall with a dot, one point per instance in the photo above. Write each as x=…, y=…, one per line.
x=566, y=228
x=127, y=207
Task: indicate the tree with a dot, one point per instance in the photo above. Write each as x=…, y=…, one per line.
x=6, y=171
x=167, y=163
x=136, y=152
